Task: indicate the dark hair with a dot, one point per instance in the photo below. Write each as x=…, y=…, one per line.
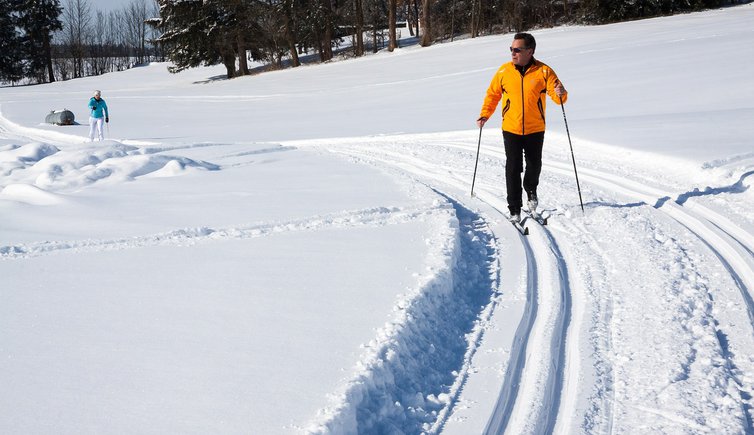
x=528, y=40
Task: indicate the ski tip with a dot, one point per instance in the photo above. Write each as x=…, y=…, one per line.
x=526, y=231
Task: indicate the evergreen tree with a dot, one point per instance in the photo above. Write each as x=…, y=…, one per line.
x=183, y=36
x=11, y=49
x=38, y=20
x=198, y=33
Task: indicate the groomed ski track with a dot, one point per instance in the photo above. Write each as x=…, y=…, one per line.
x=536, y=366
x=564, y=368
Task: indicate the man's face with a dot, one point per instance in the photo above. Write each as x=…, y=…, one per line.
x=519, y=53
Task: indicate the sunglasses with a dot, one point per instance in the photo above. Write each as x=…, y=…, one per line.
x=517, y=49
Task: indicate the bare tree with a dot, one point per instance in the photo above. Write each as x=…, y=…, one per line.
x=118, y=31
x=98, y=42
x=77, y=18
x=136, y=14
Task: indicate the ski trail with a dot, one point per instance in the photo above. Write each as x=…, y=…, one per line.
x=730, y=244
x=558, y=346
x=537, y=402
x=368, y=217
x=10, y=128
x=590, y=286
x=509, y=391
x=535, y=371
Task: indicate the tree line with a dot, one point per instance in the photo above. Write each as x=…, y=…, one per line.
x=48, y=40
x=278, y=32
x=44, y=40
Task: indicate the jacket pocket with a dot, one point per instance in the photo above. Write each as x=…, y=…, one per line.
x=506, y=107
x=541, y=109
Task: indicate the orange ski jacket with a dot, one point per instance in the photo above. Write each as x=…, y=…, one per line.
x=523, y=96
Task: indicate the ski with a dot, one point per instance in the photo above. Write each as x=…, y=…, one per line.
x=520, y=227
x=536, y=217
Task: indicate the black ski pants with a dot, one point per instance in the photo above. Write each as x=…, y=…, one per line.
x=518, y=148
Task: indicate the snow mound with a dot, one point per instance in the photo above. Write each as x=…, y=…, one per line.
x=14, y=156
x=30, y=195
x=52, y=169
x=171, y=169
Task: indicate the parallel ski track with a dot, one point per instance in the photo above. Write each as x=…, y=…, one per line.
x=730, y=244
x=544, y=419
x=544, y=380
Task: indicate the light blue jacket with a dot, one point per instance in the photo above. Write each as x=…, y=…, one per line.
x=98, y=108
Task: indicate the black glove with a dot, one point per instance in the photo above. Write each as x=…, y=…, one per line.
x=107, y=119
x=93, y=107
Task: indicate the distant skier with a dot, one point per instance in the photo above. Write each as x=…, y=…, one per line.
x=98, y=114
x=522, y=84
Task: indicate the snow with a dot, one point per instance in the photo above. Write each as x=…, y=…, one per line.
x=297, y=251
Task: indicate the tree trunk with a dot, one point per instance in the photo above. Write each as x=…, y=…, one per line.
x=243, y=65
x=409, y=18
x=425, y=24
x=453, y=19
x=48, y=57
x=359, y=12
x=392, y=6
x=415, y=15
x=289, y=37
x=229, y=60
x=326, y=36
x=476, y=17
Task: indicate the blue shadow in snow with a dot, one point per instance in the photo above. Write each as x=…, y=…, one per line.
x=426, y=355
x=737, y=187
x=661, y=201
x=614, y=205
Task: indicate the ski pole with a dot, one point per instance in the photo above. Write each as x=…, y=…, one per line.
x=478, y=147
x=562, y=107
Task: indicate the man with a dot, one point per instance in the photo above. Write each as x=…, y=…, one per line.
x=98, y=113
x=522, y=84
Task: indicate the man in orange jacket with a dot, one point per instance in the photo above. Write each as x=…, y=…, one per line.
x=522, y=84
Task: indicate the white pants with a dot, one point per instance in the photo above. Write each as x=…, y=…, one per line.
x=96, y=125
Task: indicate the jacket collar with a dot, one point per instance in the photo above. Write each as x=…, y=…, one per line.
x=523, y=69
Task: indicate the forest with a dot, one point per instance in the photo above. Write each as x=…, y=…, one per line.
x=47, y=40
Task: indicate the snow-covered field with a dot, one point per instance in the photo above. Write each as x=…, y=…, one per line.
x=298, y=251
